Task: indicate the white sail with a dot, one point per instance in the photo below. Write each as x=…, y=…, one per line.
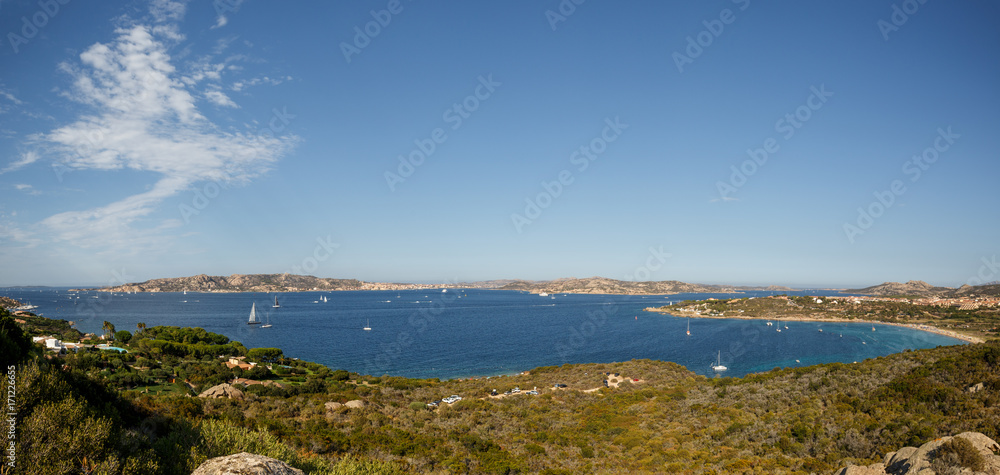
x=253, y=315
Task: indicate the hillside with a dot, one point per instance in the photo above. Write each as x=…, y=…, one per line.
x=923, y=289
x=913, y=287
x=652, y=417
x=602, y=285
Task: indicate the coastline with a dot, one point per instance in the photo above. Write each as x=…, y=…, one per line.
x=913, y=326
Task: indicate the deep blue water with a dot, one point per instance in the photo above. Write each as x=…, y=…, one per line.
x=422, y=333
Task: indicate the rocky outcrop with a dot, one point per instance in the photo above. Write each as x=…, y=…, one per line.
x=923, y=289
x=222, y=390
x=333, y=406
x=7, y=302
x=245, y=464
x=913, y=287
x=355, y=404
x=937, y=456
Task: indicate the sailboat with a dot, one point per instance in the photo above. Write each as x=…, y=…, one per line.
x=718, y=365
x=268, y=324
x=253, y=315
x=368, y=326
x=689, y=329
x=275, y=303
x=324, y=299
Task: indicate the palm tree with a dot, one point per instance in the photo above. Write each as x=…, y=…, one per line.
x=109, y=328
x=140, y=327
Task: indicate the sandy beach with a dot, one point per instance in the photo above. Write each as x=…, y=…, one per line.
x=915, y=326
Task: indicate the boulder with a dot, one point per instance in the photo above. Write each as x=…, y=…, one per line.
x=245, y=464
x=333, y=406
x=975, y=388
x=918, y=460
x=222, y=390
x=897, y=462
x=873, y=469
x=355, y=404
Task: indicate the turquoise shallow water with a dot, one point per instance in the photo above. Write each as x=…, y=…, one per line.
x=462, y=333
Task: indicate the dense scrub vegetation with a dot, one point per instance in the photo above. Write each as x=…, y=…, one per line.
x=124, y=413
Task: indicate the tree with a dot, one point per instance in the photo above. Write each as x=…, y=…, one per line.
x=265, y=355
x=15, y=345
x=109, y=329
x=123, y=336
x=140, y=327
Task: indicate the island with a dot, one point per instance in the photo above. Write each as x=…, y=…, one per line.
x=305, y=283
x=970, y=318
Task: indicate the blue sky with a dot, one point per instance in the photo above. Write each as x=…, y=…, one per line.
x=169, y=138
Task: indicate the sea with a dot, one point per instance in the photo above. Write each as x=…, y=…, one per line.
x=462, y=333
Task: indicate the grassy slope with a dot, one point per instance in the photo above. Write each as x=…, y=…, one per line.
x=786, y=421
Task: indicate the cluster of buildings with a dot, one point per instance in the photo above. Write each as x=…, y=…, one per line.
x=963, y=303
x=58, y=346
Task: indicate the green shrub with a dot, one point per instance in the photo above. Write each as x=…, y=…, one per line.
x=957, y=451
x=535, y=449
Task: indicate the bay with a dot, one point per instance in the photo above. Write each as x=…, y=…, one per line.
x=472, y=332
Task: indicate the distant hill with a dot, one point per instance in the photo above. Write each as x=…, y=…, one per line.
x=913, y=287
x=253, y=283
x=987, y=290
x=603, y=285
x=923, y=289
x=299, y=283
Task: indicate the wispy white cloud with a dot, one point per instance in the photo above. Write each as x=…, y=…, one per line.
x=219, y=98
x=240, y=85
x=27, y=158
x=9, y=98
x=26, y=188
x=144, y=119
x=167, y=10
x=222, y=7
